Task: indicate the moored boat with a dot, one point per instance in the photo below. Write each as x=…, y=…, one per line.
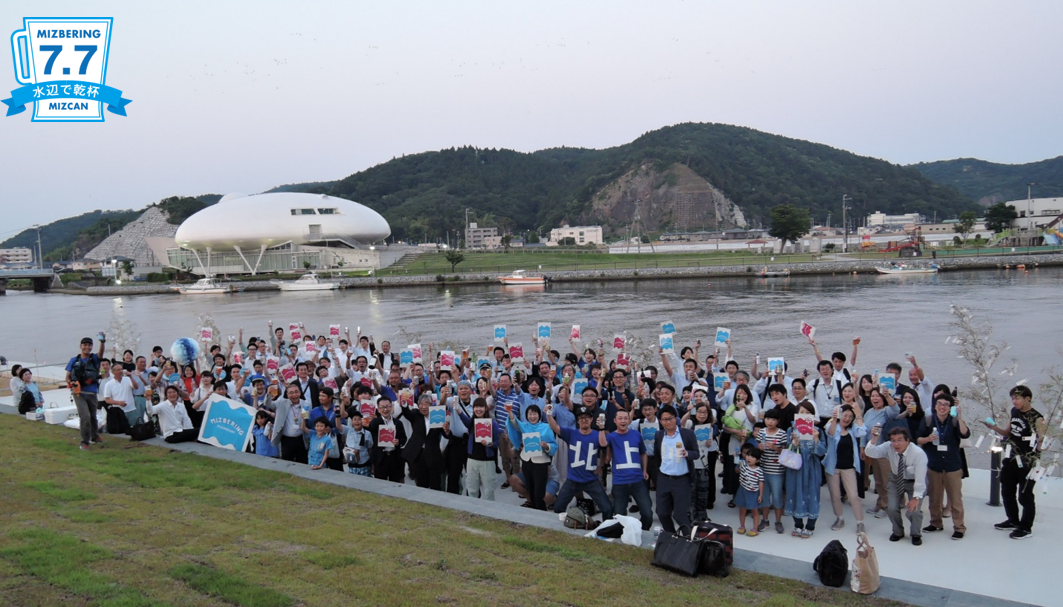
x=204, y=286
x=306, y=282
x=522, y=278
x=901, y=270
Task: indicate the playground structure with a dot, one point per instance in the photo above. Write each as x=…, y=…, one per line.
x=1051, y=233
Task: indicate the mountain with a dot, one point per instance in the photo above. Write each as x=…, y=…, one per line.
x=683, y=177
x=73, y=237
x=990, y=182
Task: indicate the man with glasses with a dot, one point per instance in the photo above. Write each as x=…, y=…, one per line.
x=678, y=449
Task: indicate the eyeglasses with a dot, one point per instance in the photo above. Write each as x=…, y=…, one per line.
x=666, y=418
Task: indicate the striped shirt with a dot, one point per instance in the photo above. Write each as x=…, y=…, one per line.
x=770, y=460
x=750, y=478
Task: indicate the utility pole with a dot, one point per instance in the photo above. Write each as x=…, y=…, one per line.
x=467, y=227
x=40, y=254
x=845, y=224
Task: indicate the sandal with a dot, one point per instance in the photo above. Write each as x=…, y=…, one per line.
x=741, y=531
x=796, y=533
x=753, y=533
x=805, y=534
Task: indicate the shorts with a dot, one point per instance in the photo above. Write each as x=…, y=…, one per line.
x=747, y=499
x=773, y=484
x=552, y=486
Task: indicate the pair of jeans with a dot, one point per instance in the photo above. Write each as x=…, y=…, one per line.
x=87, y=406
x=593, y=489
x=480, y=478
x=640, y=491
x=1017, y=490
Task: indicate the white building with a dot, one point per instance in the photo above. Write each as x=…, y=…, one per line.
x=478, y=238
x=581, y=235
x=17, y=255
x=1035, y=213
x=878, y=218
x=281, y=231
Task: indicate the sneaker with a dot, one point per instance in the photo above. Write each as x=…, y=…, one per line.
x=881, y=514
x=946, y=513
x=779, y=528
x=895, y=538
x=917, y=540
x=1020, y=534
x=860, y=528
x=84, y=447
x=957, y=535
x=763, y=525
x=932, y=529
x=838, y=524
x=98, y=440
x=505, y=485
x=633, y=508
x=874, y=510
x=752, y=533
x=1005, y=526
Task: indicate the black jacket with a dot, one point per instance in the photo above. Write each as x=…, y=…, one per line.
x=690, y=443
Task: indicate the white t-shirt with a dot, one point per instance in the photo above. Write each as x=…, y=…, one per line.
x=121, y=391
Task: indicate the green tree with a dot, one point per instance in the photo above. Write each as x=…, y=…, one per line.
x=127, y=268
x=999, y=217
x=454, y=258
x=966, y=224
x=506, y=239
x=788, y=223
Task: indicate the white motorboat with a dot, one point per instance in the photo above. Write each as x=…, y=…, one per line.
x=522, y=278
x=903, y=270
x=306, y=282
x=204, y=286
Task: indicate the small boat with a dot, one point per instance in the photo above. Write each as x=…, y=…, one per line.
x=766, y=273
x=306, y=282
x=204, y=286
x=901, y=270
x=521, y=278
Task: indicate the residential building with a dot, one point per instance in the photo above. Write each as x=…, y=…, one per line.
x=478, y=238
x=881, y=219
x=1035, y=213
x=17, y=255
x=580, y=235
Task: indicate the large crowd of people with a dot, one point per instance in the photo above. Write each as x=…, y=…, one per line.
x=670, y=438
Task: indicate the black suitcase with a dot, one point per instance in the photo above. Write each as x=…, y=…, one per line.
x=678, y=554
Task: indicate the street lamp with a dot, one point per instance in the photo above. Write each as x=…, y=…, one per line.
x=845, y=224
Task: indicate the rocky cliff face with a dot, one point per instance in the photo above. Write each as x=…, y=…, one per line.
x=129, y=241
x=671, y=199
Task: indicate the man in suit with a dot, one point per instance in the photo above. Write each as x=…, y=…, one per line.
x=422, y=449
x=387, y=457
x=677, y=449
x=308, y=388
x=288, y=427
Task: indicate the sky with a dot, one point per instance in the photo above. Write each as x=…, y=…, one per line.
x=244, y=96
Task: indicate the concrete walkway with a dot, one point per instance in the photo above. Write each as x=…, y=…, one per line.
x=986, y=568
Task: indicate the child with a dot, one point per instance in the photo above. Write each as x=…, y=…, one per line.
x=261, y=432
x=772, y=441
x=358, y=443
x=751, y=489
x=320, y=444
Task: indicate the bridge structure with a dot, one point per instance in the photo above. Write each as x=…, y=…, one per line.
x=42, y=279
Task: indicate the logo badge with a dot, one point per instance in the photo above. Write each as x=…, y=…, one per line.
x=62, y=63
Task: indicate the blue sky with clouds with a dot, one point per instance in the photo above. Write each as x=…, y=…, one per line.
x=243, y=96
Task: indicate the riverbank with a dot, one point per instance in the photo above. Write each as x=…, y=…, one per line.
x=861, y=266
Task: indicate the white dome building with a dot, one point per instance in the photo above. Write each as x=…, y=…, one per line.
x=280, y=231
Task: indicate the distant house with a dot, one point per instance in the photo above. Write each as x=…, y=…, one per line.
x=580, y=235
x=482, y=238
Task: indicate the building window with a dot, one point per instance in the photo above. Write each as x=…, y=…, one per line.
x=1051, y=212
x=303, y=212
x=327, y=212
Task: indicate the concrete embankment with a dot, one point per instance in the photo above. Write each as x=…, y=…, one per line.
x=796, y=269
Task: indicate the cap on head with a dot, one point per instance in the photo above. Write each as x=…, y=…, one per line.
x=86, y=340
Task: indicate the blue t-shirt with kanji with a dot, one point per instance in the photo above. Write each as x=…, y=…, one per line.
x=582, y=455
x=627, y=450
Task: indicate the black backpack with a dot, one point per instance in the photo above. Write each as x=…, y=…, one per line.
x=117, y=423
x=714, y=559
x=832, y=564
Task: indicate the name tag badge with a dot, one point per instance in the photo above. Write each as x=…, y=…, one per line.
x=943, y=448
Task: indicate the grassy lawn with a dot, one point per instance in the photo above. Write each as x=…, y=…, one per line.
x=555, y=261
x=132, y=525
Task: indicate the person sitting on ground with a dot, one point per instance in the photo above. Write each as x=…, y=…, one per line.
x=174, y=422
x=907, y=478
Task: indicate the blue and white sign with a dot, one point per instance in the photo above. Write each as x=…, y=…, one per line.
x=667, y=327
x=776, y=365
x=578, y=386
x=888, y=382
x=718, y=380
x=665, y=340
x=405, y=358
x=722, y=335
x=227, y=423
x=437, y=416
x=500, y=332
x=544, y=330
x=62, y=63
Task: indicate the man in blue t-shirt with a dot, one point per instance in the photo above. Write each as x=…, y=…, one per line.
x=630, y=463
x=83, y=379
x=583, y=463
